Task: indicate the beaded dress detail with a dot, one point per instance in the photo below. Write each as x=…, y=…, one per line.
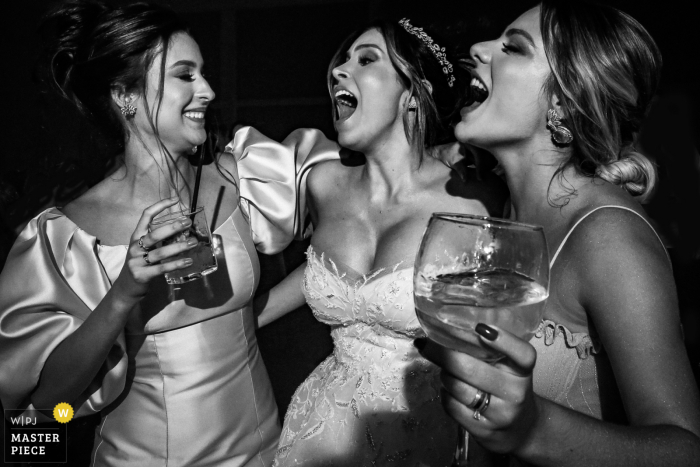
x=374, y=401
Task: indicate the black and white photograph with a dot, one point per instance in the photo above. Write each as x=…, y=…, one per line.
x=351, y=233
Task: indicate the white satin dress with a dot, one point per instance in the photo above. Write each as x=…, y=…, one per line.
x=184, y=385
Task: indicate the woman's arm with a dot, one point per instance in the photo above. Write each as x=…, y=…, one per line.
x=625, y=286
x=74, y=363
x=283, y=298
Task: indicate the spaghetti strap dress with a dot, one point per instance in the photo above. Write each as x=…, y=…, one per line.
x=572, y=368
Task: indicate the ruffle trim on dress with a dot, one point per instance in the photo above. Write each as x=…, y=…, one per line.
x=581, y=341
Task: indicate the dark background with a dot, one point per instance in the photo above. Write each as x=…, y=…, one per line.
x=267, y=60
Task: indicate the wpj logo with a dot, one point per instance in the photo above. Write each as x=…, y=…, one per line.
x=32, y=437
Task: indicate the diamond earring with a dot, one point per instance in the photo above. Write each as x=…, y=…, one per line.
x=128, y=110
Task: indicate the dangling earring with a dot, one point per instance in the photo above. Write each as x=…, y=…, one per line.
x=128, y=110
x=412, y=106
x=560, y=134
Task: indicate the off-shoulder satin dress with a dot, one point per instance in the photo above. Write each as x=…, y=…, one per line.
x=184, y=385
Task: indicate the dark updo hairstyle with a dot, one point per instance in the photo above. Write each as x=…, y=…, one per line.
x=415, y=62
x=94, y=48
x=605, y=69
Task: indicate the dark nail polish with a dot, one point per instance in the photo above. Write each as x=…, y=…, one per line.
x=420, y=343
x=486, y=332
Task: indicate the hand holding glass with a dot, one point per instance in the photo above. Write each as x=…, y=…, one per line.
x=203, y=258
x=473, y=269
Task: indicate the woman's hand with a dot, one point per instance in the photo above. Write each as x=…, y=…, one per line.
x=143, y=262
x=505, y=424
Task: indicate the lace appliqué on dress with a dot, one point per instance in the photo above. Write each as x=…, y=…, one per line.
x=375, y=400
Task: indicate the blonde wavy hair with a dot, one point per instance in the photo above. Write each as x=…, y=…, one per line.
x=605, y=70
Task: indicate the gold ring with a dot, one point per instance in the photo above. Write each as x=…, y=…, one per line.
x=145, y=258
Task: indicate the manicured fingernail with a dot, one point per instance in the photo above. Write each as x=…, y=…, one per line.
x=420, y=343
x=192, y=241
x=187, y=261
x=186, y=222
x=486, y=332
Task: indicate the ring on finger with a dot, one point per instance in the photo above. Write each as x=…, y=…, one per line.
x=481, y=403
x=478, y=399
x=143, y=247
x=145, y=258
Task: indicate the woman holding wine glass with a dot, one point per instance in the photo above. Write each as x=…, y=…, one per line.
x=606, y=380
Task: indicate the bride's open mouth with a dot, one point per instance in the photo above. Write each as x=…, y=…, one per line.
x=345, y=104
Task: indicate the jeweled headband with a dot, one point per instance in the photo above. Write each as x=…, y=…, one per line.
x=437, y=51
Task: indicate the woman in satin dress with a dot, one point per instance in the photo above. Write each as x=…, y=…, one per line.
x=606, y=380
x=375, y=401
x=86, y=316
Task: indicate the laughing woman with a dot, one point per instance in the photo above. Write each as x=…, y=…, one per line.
x=86, y=316
x=374, y=401
x=606, y=380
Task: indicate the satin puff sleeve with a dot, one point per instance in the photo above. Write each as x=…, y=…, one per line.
x=272, y=179
x=51, y=282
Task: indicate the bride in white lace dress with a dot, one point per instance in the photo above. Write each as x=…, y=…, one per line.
x=375, y=401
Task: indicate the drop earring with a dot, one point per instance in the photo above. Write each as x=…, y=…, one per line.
x=128, y=110
x=412, y=106
x=560, y=134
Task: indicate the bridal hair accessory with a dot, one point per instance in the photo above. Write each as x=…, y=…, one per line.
x=128, y=110
x=560, y=134
x=437, y=51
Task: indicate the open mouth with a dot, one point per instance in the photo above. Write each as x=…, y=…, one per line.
x=478, y=90
x=345, y=104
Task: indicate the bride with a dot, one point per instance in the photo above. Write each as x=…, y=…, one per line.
x=375, y=400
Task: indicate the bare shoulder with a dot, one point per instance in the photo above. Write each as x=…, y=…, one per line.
x=616, y=233
x=327, y=177
x=617, y=259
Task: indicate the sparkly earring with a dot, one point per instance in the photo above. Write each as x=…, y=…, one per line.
x=560, y=134
x=412, y=106
x=128, y=110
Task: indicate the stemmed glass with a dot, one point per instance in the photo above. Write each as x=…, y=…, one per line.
x=474, y=269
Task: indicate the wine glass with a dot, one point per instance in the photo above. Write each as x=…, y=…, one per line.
x=475, y=269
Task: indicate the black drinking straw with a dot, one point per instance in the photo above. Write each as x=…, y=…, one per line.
x=193, y=204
